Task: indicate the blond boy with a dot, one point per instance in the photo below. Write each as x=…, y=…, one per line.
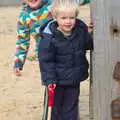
x=62, y=58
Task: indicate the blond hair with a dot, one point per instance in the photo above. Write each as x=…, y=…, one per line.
x=64, y=6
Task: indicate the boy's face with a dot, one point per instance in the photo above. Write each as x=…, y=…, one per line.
x=66, y=21
x=34, y=3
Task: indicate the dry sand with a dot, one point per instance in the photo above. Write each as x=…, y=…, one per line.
x=21, y=98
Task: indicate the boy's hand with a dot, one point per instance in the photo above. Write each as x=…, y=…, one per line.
x=51, y=87
x=17, y=71
x=90, y=28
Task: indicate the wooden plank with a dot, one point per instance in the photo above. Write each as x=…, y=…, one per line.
x=105, y=54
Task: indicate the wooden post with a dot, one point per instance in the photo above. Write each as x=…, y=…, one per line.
x=106, y=19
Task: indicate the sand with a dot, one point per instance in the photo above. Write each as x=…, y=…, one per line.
x=21, y=98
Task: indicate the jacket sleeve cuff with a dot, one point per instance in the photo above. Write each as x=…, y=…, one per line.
x=50, y=82
x=18, y=65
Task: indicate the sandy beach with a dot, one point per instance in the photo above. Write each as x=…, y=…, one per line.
x=21, y=98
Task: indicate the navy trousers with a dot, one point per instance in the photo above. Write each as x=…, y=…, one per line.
x=66, y=103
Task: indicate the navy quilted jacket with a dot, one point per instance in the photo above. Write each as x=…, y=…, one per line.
x=62, y=59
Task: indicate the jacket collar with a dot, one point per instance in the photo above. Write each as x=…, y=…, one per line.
x=45, y=3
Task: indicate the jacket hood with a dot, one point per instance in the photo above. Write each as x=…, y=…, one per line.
x=48, y=27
